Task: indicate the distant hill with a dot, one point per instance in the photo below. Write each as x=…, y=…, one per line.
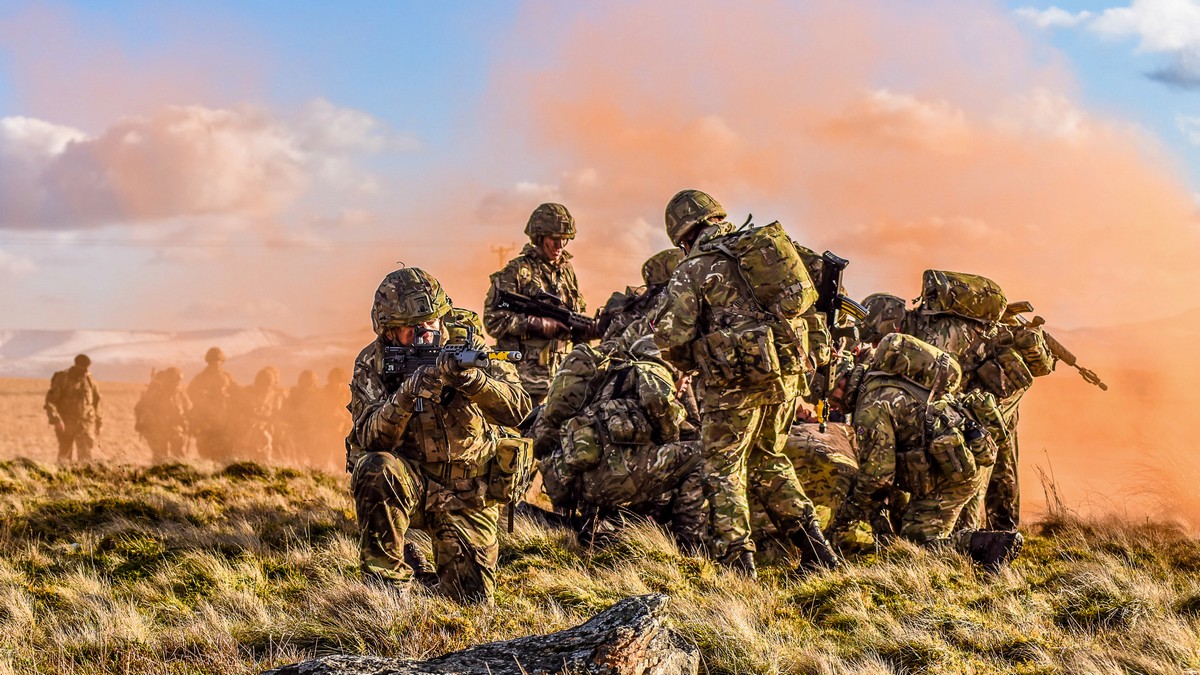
x=130, y=355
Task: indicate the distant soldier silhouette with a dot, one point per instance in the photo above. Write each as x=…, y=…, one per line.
x=73, y=409
x=210, y=392
x=161, y=416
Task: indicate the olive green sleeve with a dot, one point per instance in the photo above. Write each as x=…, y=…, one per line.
x=503, y=323
x=499, y=395
x=378, y=422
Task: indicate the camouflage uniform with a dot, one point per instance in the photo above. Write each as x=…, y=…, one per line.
x=73, y=409
x=210, y=392
x=746, y=393
x=620, y=447
x=432, y=468
x=161, y=416
x=623, y=309
x=532, y=273
x=255, y=417
x=309, y=432
x=886, y=313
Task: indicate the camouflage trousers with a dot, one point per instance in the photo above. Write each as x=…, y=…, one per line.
x=743, y=450
x=389, y=495
x=75, y=442
x=997, y=503
x=935, y=515
x=164, y=446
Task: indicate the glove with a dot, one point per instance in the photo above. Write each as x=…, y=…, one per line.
x=547, y=328
x=454, y=374
x=423, y=383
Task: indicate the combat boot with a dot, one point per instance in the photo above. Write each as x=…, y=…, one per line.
x=815, y=551
x=743, y=564
x=423, y=570
x=992, y=549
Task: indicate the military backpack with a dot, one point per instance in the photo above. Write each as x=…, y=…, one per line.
x=772, y=267
x=917, y=361
x=967, y=295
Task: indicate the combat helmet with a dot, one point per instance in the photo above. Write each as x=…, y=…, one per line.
x=550, y=220
x=658, y=268
x=214, y=355
x=686, y=210
x=407, y=297
x=885, y=314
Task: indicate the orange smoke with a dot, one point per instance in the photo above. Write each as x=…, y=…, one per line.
x=901, y=138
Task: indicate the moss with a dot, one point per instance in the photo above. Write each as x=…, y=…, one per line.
x=183, y=474
x=64, y=519
x=246, y=471
x=131, y=556
x=1096, y=607
x=192, y=581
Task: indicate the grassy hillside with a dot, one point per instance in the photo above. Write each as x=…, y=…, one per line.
x=175, y=569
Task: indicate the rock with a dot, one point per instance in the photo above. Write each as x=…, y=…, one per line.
x=628, y=638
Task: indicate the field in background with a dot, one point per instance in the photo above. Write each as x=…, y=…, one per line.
x=174, y=569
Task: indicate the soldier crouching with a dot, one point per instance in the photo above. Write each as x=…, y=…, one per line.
x=423, y=449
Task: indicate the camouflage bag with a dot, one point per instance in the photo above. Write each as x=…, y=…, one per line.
x=918, y=362
x=980, y=408
x=624, y=422
x=913, y=471
x=575, y=383
x=725, y=356
x=511, y=469
x=952, y=456
x=967, y=295
x=581, y=448
x=558, y=480
x=1005, y=373
x=768, y=261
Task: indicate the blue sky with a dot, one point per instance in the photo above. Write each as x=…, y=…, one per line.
x=263, y=163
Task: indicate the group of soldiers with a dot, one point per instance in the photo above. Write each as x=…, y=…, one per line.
x=737, y=398
x=260, y=421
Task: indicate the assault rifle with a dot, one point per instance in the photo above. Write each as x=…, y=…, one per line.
x=549, y=306
x=1014, y=311
x=399, y=362
x=832, y=303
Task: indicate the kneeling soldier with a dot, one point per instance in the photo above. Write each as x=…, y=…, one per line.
x=429, y=447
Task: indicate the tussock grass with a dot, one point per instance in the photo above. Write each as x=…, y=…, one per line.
x=185, y=569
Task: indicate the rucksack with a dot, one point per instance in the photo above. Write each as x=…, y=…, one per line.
x=918, y=362
x=575, y=384
x=771, y=266
x=967, y=295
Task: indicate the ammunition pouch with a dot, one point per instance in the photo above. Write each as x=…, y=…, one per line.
x=913, y=471
x=510, y=470
x=746, y=356
x=581, y=446
x=1005, y=374
x=1034, y=352
x=952, y=456
x=980, y=443
x=624, y=422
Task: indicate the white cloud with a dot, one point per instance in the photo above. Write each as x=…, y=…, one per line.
x=184, y=161
x=1053, y=17
x=1158, y=25
x=1043, y=113
x=1189, y=126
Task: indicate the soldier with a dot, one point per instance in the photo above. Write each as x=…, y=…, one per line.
x=964, y=314
x=619, y=448
x=914, y=433
x=623, y=309
x=750, y=364
x=254, y=417
x=424, y=450
x=210, y=391
x=886, y=313
x=304, y=422
x=161, y=416
x=543, y=267
x=73, y=409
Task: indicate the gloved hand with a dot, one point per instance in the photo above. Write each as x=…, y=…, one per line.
x=423, y=383
x=454, y=374
x=548, y=328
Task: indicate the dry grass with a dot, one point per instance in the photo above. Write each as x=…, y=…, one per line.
x=174, y=569
x=110, y=568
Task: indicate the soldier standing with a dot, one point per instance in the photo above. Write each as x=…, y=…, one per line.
x=749, y=365
x=542, y=268
x=254, y=417
x=73, y=409
x=210, y=392
x=161, y=416
x=623, y=309
x=424, y=450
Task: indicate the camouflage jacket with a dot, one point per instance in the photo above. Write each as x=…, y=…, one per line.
x=210, y=392
x=709, y=321
x=530, y=273
x=453, y=438
x=73, y=398
x=162, y=411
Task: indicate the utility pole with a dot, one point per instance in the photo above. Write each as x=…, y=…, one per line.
x=502, y=252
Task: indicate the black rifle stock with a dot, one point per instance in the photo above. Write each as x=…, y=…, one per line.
x=547, y=306
x=832, y=304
